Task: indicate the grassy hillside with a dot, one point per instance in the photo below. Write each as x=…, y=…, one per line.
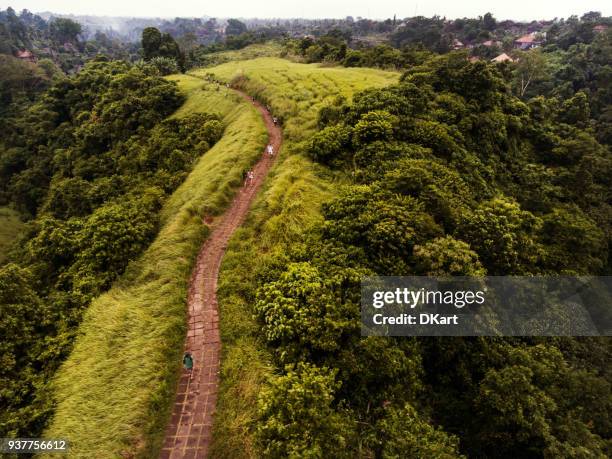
x=10, y=227
x=114, y=391
x=298, y=91
x=269, y=49
x=288, y=205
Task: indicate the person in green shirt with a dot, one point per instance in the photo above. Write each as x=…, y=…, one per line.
x=188, y=363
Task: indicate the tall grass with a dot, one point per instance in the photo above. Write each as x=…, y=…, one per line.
x=288, y=205
x=10, y=228
x=115, y=390
x=254, y=51
x=298, y=91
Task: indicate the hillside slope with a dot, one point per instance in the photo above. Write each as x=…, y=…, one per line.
x=288, y=205
x=114, y=391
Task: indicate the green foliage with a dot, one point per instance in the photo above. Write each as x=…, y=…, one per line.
x=64, y=30
x=115, y=390
x=329, y=143
x=301, y=314
x=447, y=257
x=297, y=417
x=504, y=236
x=235, y=27
x=449, y=174
x=92, y=162
x=403, y=433
x=161, y=45
x=575, y=244
x=374, y=126
x=25, y=351
x=164, y=65
x=11, y=228
x=18, y=80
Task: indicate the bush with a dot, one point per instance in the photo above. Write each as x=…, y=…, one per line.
x=165, y=65
x=298, y=418
x=376, y=125
x=329, y=144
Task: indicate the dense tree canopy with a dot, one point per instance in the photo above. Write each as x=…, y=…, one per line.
x=453, y=175
x=161, y=45
x=91, y=163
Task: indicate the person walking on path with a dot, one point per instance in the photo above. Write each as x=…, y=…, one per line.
x=188, y=363
x=270, y=149
x=250, y=175
x=275, y=121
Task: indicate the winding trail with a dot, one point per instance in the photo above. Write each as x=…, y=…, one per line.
x=188, y=435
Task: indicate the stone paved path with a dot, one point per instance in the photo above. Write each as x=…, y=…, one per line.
x=188, y=435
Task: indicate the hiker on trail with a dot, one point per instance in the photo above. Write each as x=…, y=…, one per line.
x=270, y=149
x=253, y=99
x=188, y=363
x=249, y=178
x=275, y=121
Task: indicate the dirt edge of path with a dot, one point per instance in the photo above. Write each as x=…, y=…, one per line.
x=189, y=432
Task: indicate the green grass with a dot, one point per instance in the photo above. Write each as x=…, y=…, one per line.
x=288, y=205
x=115, y=390
x=10, y=228
x=298, y=91
x=268, y=49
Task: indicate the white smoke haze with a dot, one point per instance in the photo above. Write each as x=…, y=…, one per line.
x=115, y=10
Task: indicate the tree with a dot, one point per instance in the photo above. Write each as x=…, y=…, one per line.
x=530, y=68
x=297, y=418
x=300, y=315
x=164, y=65
x=65, y=30
x=19, y=79
x=25, y=326
x=576, y=110
x=151, y=41
x=403, y=433
x=447, y=257
x=329, y=144
x=235, y=27
x=157, y=44
x=504, y=236
x=574, y=243
x=489, y=22
x=375, y=125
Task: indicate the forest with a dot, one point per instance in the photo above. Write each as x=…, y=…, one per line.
x=453, y=175
x=408, y=151
x=90, y=163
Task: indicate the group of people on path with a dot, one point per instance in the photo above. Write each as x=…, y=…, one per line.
x=248, y=177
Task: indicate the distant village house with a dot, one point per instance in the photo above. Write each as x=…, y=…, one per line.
x=503, y=57
x=457, y=44
x=527, y=41
x=26, y=55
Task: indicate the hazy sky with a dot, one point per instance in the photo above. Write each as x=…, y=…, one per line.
x=376, y=9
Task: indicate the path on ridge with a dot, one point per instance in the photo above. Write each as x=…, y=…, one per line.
x=188, y=435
